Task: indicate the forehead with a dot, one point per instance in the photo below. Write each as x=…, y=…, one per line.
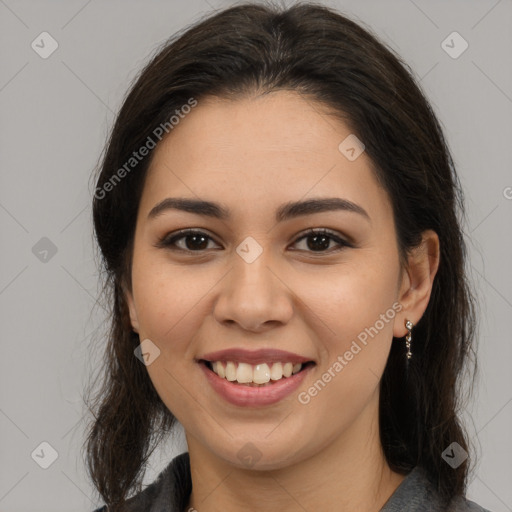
x=261, y=151
x=283, y=123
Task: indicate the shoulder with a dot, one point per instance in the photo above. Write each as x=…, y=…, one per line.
x=170, y=491
x=461, y=504
x=417, y=494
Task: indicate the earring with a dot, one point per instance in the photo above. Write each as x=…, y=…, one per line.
x=408, y=338
x=408, y=325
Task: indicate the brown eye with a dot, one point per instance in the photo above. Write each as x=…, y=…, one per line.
x=194, y=241
x=319, y=240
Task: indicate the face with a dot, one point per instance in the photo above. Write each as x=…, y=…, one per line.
x=257, y=282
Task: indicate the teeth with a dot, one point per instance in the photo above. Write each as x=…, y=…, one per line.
x=230, y=371
x=276, y=372
x=259, y=374
x=219, y=369
x=244, y=373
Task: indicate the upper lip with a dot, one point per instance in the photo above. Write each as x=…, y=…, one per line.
x=263, y=355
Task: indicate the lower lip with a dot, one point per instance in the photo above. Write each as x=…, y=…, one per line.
x=252, y=396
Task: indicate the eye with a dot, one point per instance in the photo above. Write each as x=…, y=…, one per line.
x=197, y=241
x=321, y=240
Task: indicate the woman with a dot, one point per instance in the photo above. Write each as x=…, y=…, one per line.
x=277, y=211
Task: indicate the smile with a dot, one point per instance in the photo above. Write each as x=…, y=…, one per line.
x=250, y=393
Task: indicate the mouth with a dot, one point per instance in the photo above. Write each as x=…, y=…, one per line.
x=259, y=384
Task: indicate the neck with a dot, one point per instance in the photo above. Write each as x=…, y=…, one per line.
x=350, y=473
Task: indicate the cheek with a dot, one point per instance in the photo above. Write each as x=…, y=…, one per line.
x=168, y=298
x=357, y=312
x=171, y=307
x=351, y=299
x=357, y=307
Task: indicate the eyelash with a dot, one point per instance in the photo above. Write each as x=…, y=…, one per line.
x=168, y=241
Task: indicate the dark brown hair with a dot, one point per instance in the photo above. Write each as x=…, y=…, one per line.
x=255, y=49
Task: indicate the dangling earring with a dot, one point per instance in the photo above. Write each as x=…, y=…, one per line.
x=408, y=325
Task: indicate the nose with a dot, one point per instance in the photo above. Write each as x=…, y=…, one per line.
x=254, y=296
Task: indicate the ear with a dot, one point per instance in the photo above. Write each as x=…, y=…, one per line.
x=417, y=281
x=131, y=307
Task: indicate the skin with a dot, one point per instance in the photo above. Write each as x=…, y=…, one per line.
x=252, y=155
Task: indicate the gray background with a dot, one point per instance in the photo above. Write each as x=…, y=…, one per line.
x=55, y=115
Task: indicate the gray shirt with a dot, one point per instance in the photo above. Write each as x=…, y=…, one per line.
x=170, y=492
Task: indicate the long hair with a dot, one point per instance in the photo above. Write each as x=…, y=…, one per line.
x=329, y=59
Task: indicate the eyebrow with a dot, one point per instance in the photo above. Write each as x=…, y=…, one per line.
x=286, y=211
